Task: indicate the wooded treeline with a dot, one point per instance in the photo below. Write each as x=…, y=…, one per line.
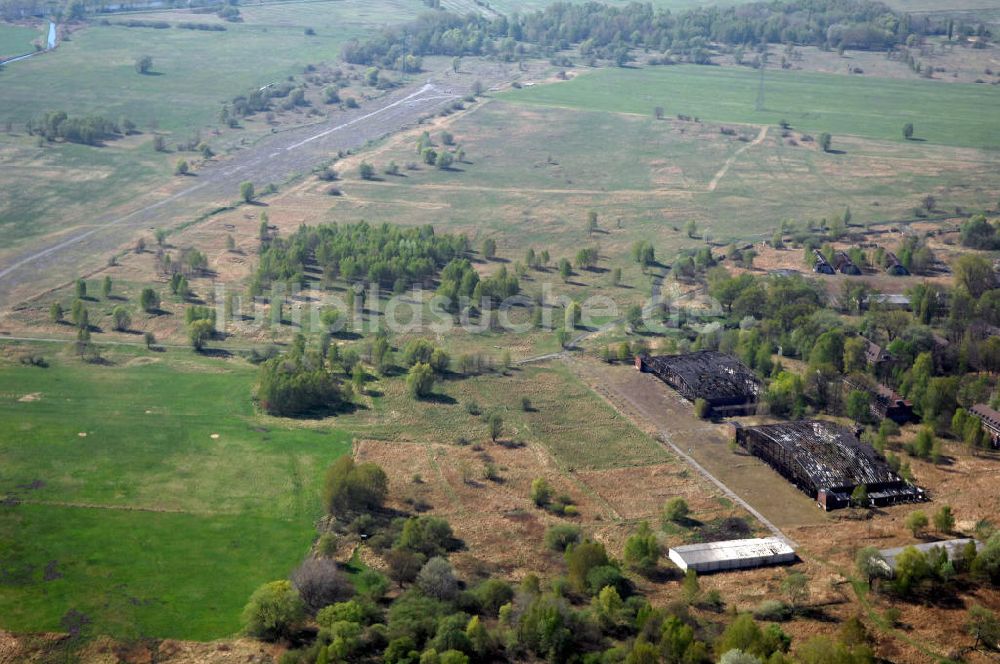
x=609, y=31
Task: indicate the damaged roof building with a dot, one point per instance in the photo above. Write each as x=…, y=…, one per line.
x=726, y=384
x=828, y=462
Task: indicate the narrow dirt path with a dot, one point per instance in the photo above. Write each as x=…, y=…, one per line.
x=721, y=173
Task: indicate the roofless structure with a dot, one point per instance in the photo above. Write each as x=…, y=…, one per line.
x=732, y=554
x=729, y=386
x=828, y=462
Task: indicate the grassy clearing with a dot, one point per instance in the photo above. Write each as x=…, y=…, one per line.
x=137, y=574
x=16, y=39
x=47, y=187
x=538, y=170
x=875, y=108
x=578, y=429
x=157, y=527
x=94, y=71
x=55, y=187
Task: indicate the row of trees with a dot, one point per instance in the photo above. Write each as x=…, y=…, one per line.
x=88, y=130
x=610, y=31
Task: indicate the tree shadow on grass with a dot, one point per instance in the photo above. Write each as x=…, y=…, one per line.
x=438, y=398
x=215, y=352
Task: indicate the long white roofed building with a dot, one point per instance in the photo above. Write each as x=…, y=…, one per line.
x=732, y=554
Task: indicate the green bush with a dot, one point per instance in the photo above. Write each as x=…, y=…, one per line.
x=562, y=535
x=273, y=612
x=773, y=610
x=701, y=408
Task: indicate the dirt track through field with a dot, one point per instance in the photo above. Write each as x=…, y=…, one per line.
x=729, y=162
x=282, y=156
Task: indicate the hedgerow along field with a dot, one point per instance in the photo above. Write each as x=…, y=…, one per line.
x=953, y=114
x=16, y=39
x=176, y=503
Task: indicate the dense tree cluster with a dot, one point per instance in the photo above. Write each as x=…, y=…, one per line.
x=978, y=233
x=932, y=349
x=88, y=130
x=352, y=488
x=460, y=280
x=590, y=613
x=609, y=32
x=293, y=387
x=379, y=254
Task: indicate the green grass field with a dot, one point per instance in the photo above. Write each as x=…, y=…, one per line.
x=54, y=187
x=94, y=71
x=16, y=39
x=953, y=114
x=148, y=524
x=569, y=420
x=537, y=170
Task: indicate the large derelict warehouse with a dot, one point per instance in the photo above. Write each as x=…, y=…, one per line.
x=828, y=462
x=726, y=384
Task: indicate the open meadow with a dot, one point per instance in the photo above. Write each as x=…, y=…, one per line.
x=531, y=174
x=528, y=180
x=146, y=494
x=16, y=39
x=53, y=188
x=840, y=105
x=93, y=71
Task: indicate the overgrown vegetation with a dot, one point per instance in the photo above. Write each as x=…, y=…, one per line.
x=609, y=32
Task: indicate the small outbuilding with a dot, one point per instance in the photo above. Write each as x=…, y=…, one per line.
x=821, y=266
x=884, y=402
x=732, y=554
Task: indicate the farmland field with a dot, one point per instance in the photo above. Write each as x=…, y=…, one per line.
x=538, y=169
x=173, y=506
x=52, y=187
x=94, y=73
x=16, y=39
x=873, y=108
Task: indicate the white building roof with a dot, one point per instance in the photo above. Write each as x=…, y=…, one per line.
x=732, y=554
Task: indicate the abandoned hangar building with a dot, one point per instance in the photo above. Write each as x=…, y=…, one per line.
x=726, y=384
x=828, y=462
